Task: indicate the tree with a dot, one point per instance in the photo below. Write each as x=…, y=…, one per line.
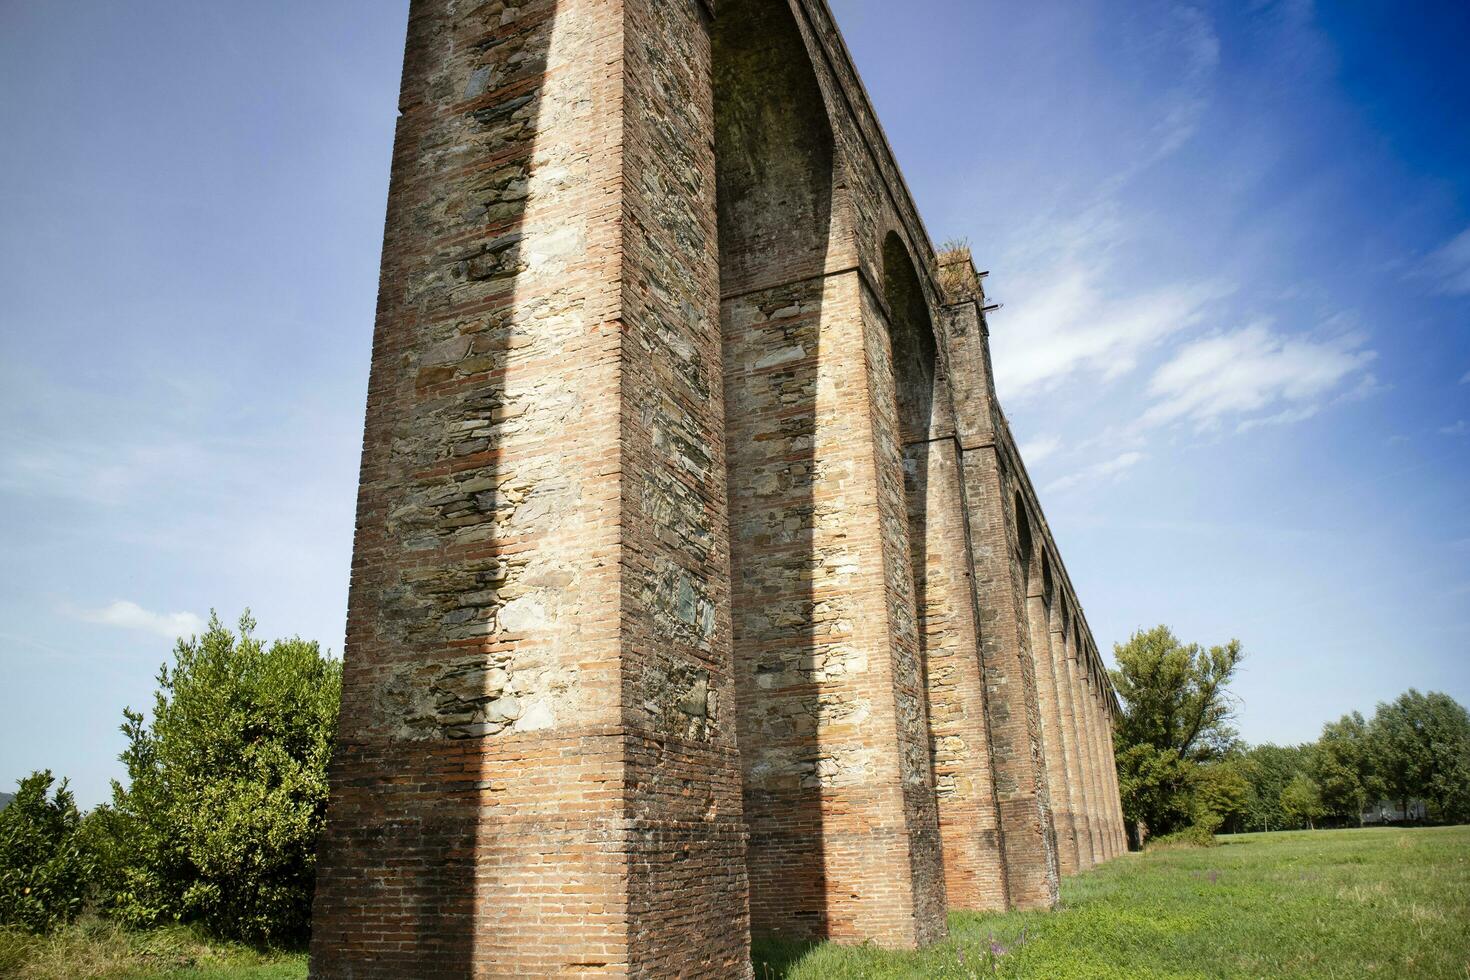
x=1221, y=795
x=1177, y=715
x=44, y=869
x=1269, y=769
x=228, y=789
x=1302, y=801
x=1447, y=734
x=1420, y=747
x=1342, y=766
x=1154, y=787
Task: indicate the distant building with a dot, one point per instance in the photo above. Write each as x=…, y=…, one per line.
x=1385, y=811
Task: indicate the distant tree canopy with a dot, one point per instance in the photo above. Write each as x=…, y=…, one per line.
x=1302, y=800
x=1419, y=748
x=1342, y=766
x=1182, y=765
x=1177, y=695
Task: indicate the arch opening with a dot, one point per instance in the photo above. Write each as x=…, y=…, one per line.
x=774, y=159
x=911, y=333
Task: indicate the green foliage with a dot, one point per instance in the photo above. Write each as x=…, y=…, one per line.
x=1198, y=835
x=1419, y=745
x=227, y=789
x=1154, y=786
x=1177, y=715
x=1269, y=770
x=1221, y=795
x=1177, y=695
x=1342, y=766
x=1302, y=801
x=44, y=868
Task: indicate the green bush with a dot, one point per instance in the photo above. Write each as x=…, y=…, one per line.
x=227, y=790
x=44, y=868
x=1195, y=836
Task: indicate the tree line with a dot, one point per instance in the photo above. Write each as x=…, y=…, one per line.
x=1183, y=769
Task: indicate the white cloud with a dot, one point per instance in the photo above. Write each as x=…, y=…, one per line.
x=1110, y=469
x=131, y=616
x=1084, y=310
x=1254, y=373
x=1466, y=379
x=1448, y=266
x=96, y=471
x=1460, y=428
x=1040, y=448
x=1073, y=324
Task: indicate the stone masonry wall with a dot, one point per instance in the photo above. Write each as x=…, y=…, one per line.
x=537, y=770
x=698, y=586
x=958, y=726
x=1038, y=613
x=1071, y=703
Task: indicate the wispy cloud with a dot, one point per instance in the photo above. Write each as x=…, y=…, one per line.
x=1191, y=34
x=95, y=471
x=1255, y=375
x=131, y=616
x=1110, y=469
x=1460, y=428
x=1085, y=311
x=1040, y=448
x=1076, y=325
x=1448, y=267
x=1466, y=379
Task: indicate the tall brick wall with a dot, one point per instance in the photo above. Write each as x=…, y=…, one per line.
x=1073, y=722
x=694, y=591
x=537, y=770
x=1039, y=600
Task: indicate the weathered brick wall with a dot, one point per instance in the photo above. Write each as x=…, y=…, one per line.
x=690, y=585
x=958, y=727
x=1071, y=705
x=688, y=889
x=1038, y=612
x=1110, y=771
x=1017, y=753
x=1090, y=748
x=844, y=838
x=537, y=769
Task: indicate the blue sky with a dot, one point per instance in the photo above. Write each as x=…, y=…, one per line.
x=1232, y=240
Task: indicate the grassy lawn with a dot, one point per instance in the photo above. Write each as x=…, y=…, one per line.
x=1340, y=904
x=93, y=950
x=1348, y=903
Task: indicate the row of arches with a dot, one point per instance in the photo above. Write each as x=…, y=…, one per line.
x=862, y=701
x=1074, y=712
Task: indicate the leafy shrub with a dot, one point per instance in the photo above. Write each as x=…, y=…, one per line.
x=1194, y=836
x=44, y=868
x=227, y=790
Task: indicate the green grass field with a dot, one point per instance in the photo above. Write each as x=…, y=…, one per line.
x=94, y=950
x=1339, y=904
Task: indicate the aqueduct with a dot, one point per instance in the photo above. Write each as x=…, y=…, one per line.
x=698, y=589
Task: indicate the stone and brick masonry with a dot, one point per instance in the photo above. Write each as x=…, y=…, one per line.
x=699, y=589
